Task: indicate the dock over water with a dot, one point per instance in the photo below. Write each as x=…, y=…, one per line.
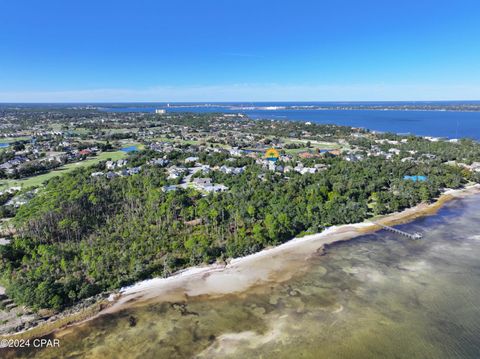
x=415, y=235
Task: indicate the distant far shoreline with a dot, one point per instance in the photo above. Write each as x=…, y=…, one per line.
x=467, y=106
x=443, y=119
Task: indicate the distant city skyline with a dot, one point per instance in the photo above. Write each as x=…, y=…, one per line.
x=191, y=51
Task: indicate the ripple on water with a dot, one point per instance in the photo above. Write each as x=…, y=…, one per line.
x=378, y=296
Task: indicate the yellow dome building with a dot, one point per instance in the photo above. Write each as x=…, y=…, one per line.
x=272, y=154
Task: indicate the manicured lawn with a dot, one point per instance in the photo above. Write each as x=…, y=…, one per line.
x=40, y=179
x=314, y=144
x=294, y=151
x=114, y=156
x=81, y=131
x=13, y=139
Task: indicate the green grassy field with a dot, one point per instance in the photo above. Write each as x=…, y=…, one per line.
x=40, y=179
x=13, y=139
x=81, y=131
x=314, y=144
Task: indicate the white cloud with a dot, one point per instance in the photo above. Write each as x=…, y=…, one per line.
x=253, y=92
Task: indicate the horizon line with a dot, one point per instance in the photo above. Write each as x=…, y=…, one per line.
x=225, y=102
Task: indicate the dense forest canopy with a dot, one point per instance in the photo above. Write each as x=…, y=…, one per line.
x=82, y=234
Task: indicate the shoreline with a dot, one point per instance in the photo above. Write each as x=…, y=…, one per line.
x=329, y=236
x=270, y=265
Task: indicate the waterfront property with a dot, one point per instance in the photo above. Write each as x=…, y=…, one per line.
x=374, y=297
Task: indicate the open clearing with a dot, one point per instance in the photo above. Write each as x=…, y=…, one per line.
x=40, y=179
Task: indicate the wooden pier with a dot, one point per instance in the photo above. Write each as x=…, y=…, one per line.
x=415, y=235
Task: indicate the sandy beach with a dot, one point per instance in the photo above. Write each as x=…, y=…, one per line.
x=271, y=265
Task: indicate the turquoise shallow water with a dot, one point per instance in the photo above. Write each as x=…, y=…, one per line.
x=377, y=296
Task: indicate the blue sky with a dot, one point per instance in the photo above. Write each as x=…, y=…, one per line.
x=203, y=50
